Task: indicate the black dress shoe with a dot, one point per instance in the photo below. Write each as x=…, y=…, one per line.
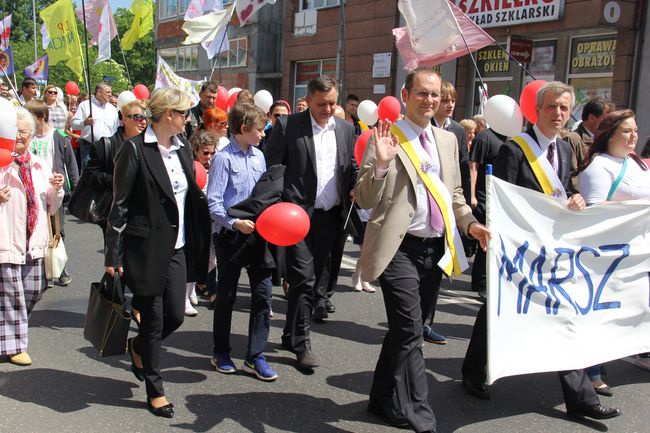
x=320, y=313
x=388, y=415
x=137, y=372
x=306, y=360
x=597, y=411
x=476, y=388
x=330, y=307
x=604, y=390
x=166, y=411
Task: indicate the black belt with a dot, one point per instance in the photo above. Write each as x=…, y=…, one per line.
x=336, y=209
x=429, y=241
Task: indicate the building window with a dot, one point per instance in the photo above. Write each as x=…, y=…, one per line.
x=542, y=64
x=306, y=71
x=172, y=8
x=318, y=4
x=591, y=68
x=236, y=57
x=181, y=58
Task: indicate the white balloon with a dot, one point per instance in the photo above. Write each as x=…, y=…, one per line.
x=264, y=100
x=367, y=112
x=124, y=98
x=503, y=115
x=8, y=128
x=233, y=90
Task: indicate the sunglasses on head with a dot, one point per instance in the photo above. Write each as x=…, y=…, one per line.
x=137, y=117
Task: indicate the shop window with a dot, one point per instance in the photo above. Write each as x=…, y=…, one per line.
x=235, y=57
x=306, y=71
x=494, y=66
x=543, y=60
x=591, y=68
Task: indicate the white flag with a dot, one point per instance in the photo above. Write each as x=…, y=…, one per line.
x=206, y=28
x=105, y=35
x=194, y=9
x=246, y=8
x=45, y=36
x=5, y=32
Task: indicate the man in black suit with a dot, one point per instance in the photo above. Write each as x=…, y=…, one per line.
x=207, y=96
x=554, y=102
x=317, y=150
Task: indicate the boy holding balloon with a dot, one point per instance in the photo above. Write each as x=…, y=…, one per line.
x=234, y=172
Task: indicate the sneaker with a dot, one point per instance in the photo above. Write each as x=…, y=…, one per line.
x=64, y=279
x=223, y=363
x=261, y=369
x=432, y=337
x=643, y=361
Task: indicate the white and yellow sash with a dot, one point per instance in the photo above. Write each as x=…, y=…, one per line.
x=453, y=262
x=542, y=168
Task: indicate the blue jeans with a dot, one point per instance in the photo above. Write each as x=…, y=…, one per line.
x=228, y=278
x=594, y=372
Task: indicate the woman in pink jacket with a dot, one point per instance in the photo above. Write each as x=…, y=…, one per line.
x=29, y=193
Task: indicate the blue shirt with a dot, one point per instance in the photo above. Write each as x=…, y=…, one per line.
x=233, y=175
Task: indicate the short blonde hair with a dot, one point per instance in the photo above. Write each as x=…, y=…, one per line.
x=468, y=124
x=165, y=99
x=126, y=108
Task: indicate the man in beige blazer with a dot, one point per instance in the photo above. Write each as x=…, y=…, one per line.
x=405, y=245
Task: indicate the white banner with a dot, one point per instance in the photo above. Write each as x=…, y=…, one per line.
x=566, y=290
x=511, y=13
x=166, y=77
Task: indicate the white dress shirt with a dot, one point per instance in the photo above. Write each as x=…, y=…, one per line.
x=544, y=142
x=105, y=116
x=421, y=223
x=177, y=178
x=327, y=191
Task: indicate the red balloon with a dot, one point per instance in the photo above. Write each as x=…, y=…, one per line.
x=141, y=92
x=389, y=108
x=71, y=88
x=201, y=174
x=360, y=145
x=5, y=157
x=222, y=98
x=528, y=99
x=283, y=224
x=7, y=143
x=232, y=100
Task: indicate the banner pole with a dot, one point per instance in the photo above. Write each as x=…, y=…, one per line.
x=126, y=65
x=12, y=85
x=225, y=35
x=489, y=260
x=87, y=68
x=34, y=21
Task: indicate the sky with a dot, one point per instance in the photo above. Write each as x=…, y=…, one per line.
x=120, y=4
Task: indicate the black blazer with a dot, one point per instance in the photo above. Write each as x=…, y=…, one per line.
x=143, y=223
x=65, y=163
x=101, y=165
x=292, y=144
x=463, y=157
x=512, y=166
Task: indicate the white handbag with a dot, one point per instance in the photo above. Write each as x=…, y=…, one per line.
x=55, y=257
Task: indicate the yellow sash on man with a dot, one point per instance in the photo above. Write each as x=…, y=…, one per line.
x=451, y=263
x=542, y=169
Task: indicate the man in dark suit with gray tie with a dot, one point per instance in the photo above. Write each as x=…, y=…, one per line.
x=539, y=160
x=318, y=151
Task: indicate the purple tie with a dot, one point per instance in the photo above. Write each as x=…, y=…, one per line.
x=437, y=223
x=550, y=154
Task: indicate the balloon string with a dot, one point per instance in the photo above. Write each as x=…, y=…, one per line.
x=349, y=213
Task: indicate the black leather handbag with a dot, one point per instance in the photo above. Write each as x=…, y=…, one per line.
x=87, y=203
x=107, y=320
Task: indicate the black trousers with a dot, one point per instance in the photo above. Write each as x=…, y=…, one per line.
x=159, y=317
x=479, y=274
x=326, y=284
x=400, y=380
x=576, y=387
x=306, y=263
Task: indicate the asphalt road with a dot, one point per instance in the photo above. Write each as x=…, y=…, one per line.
x=69, y=388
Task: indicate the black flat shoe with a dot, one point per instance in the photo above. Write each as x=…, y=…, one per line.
x=597, y=411
x=605, y=390
x=388, y=415
x=476, y=388
x=166, y=411
x=137, y=372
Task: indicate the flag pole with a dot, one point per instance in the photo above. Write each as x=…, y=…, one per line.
x=225, y=35
x=87, y=69
x=126, y=65
x=34, y=21
x=12, y=85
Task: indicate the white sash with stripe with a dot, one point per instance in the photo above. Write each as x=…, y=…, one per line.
x=544, y=164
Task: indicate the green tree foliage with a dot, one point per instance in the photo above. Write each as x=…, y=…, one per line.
x=141, y=60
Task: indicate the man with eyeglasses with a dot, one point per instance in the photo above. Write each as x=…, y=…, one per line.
x=207, y=96
x=103, y=122
x=411, y=179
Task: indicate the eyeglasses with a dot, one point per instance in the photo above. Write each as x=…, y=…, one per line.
x=23, y=134
x=183, y=112
x=52, y=92
x=137, y=117
x=207, y=152
x=424, y=95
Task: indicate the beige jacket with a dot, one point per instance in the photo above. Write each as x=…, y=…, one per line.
x=393, y=201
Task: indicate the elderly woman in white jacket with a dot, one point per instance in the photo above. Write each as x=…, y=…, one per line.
x=29, y=193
